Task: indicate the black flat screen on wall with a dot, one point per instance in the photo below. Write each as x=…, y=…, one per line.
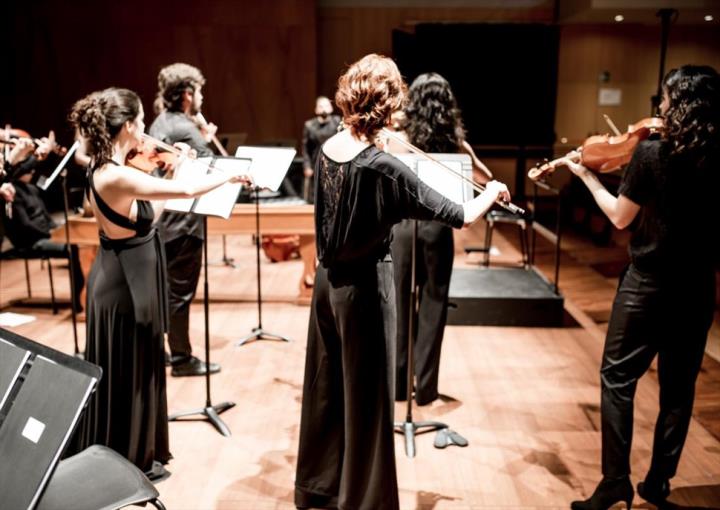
x=503, y=75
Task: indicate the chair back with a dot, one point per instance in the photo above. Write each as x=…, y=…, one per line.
x=43, y=393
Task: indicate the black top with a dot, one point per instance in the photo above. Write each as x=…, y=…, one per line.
x=678, y=216
x=358, y=202
x=30, y=219
x=316, y=133
x=173, y=127
x=145, y=214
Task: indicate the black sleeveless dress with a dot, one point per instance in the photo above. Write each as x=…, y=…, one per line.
x=126, y=320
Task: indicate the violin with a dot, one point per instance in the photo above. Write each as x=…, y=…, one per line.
x=146, y=157
x=10, y=136
x=605, y=153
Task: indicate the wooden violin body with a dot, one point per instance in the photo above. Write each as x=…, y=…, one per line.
x=605, y=153
x=147, y=158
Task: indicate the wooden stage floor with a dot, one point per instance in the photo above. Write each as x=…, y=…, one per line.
x=527, y=399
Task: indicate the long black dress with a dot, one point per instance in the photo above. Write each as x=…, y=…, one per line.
x=126, y=320
x=346, y=457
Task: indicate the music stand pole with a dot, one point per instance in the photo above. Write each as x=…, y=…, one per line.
x=258, y=333
x=210, y=411
x=410, y=428
x=71, y=259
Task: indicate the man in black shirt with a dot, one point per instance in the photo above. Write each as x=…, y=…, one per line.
x=315, y=132
x=179, y=101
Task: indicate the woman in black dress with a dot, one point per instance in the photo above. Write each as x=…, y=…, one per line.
x=432, y=122
x=665, y=301
x=127, y=297
x=346, y=457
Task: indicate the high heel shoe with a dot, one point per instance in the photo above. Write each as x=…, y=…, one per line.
x=654, y=491
x=608, y=492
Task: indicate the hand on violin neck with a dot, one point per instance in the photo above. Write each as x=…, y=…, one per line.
x=571, y=160
x=46, y=145
x=21, y=151
x=185, y=150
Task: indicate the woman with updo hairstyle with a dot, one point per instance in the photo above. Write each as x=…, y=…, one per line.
x=666, y=297
x=432, y=122
x=127, y=298
x=346, y=454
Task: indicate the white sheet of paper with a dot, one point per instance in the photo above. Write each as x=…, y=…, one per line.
x=187, y=170
x=43, y=182
x=220, y=201
x=269, y=164
x=440, y=179
x=10, y=319
x=444, y=182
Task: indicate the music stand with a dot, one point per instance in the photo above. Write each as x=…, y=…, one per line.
x=459, y=191
x=218, y=202
x=269, y=166
x=44, y=184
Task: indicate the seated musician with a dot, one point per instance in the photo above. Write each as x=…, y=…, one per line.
x=28, y=224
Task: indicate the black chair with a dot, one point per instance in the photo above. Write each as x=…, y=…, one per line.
x=29, y=254
x=98, y=478
x=43, y=394
x=502, y=216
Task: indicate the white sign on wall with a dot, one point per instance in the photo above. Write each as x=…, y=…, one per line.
x=609, y=97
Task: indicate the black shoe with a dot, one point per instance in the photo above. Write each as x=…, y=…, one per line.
x=193, y=366
x=157, y=472
x=607, y=493
x=654, y=491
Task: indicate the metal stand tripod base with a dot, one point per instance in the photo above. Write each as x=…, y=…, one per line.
x=211, y=413
x=412, y=428
x=260, y=334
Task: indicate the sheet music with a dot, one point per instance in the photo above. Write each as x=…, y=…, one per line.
x=269, y=164
x=440, y=179
x=187, y=170
x=43, y=182
x=218, y=202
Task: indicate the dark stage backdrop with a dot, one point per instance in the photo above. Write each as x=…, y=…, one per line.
x=259, y=59
x=504, y=76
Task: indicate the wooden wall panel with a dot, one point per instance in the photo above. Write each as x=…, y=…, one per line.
x=631, y=54
x=259, y=59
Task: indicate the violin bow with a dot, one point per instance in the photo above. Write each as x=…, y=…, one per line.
x=612, y=125
x=509, y=206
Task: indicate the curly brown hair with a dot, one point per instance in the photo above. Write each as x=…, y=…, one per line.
x=173, y=81
x=100, y=116
x=368, y=93
x=693, y=117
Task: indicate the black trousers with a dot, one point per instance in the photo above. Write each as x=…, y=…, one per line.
x=346, y=457
x=184, y=261
x=434, y=261
x=653, y=316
